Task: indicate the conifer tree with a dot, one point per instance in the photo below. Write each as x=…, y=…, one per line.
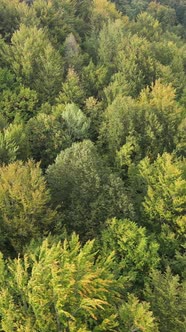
x=166, y=295
x=57, y=287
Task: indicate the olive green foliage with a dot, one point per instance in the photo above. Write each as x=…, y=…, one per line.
x=24, y=199
x=93, y=110
x=46, y=138
x=72, y=91
x=21, y=103
x=9, y=18
x=92, y=143
x=13, y=143
x=85, y=189
x=7, y=80
x=63, y=286
x=165, y=15
x=166, y=295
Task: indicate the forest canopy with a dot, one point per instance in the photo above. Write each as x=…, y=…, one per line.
x=92, y=165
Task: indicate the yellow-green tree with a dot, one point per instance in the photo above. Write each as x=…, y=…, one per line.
x=13, y=143
x=24, y=205
x=58, y=287
x=35, y=60
x=136, y=316
x=164, y=203
x=72, y=91
x=135, y=253
x=139, y=125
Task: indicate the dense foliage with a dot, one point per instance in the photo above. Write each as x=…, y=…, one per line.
x=92, y=165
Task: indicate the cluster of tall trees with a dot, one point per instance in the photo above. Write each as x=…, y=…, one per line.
x=92, y=165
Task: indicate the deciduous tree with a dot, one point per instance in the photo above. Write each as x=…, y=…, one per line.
x=24, y=204
x=34, y=59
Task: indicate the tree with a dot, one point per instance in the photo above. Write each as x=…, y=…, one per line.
x=102, y=12
x=174, y=73
x=135, y=253
x=72, y=52
x=94, y=78
x=165, y=200
x=131, y=8
x=164, y=203
x=110, y=38
x=136, y=316
x=9, y=18
x=181, y=139
x=147, y=26
x=116, y=124
x=7, y=80
x=134, y=8
x=57, y=17
x=76, y=123
x=164, y=115
x=46, y=138
x=34, y=59
x=57, y=287
x=179, y=7
x=128, y=56
x=164, y=14
x=86, y=190
x=72, y=91
x=13, y=143
x=21, y=103
x=93, y=110
x=136, y=62
x=166, y=295
x=74, y=181
x=24, y=204
x=141, y=123
x=48, y=134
